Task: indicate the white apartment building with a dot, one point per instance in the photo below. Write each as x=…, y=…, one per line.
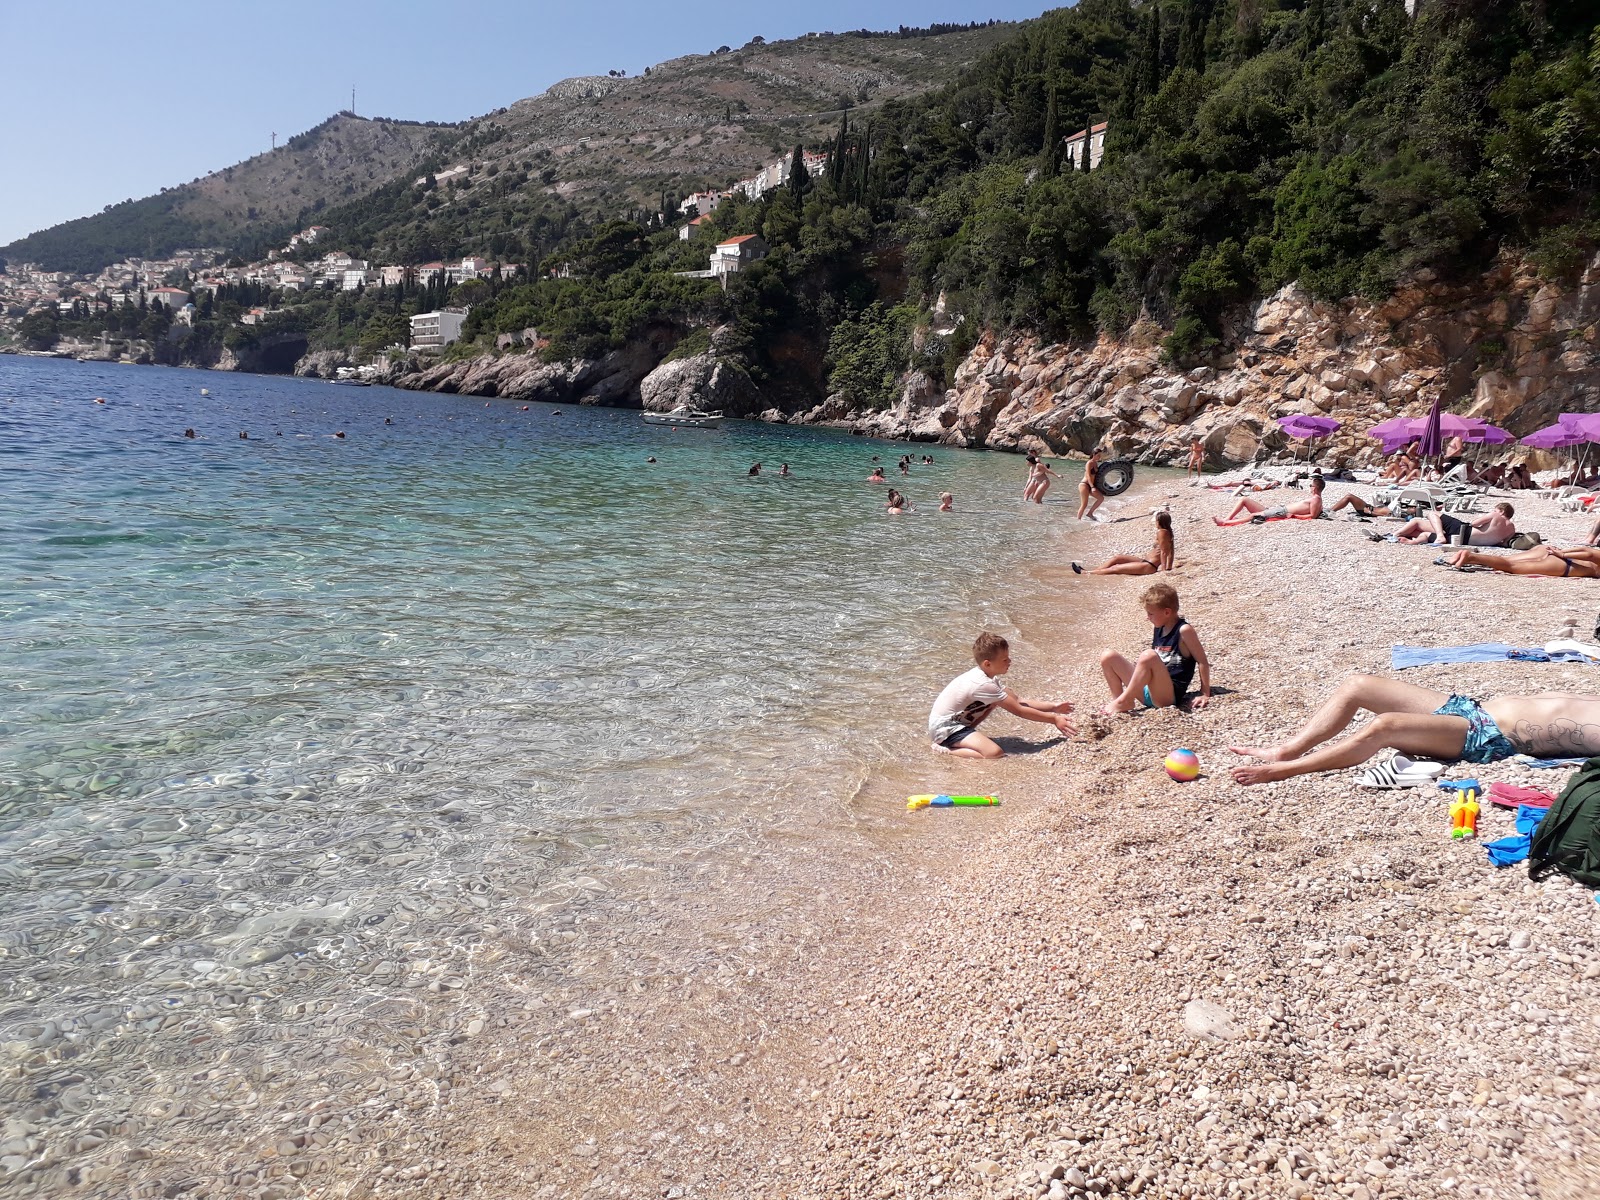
x=430, y=331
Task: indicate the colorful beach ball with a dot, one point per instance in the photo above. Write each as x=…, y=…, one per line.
x=1183, y=765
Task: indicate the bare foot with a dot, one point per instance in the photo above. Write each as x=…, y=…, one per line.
x=1220, y=521
x=1117, y=709
x=1269, y=754
x=1264, y=773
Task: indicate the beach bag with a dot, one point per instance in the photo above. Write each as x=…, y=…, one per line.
x=1525, y=541
x=1568, y=839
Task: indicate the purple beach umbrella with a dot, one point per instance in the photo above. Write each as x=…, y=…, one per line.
x=1554, y=437
x=1485, y=434
x=1587, y=424
x=1432, y=433
x=1302, y=426
x=1392, y=428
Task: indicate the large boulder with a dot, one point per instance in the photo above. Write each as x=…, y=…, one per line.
x=704, y=380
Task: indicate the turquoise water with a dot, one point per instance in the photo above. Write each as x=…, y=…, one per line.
x=297, y=724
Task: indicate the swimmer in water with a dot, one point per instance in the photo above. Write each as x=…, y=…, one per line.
x=755, y=468
x=651, y=459
x=876, y=476
x=897, y=504
x=188, y=433
x=783, y=471
x=947, y=502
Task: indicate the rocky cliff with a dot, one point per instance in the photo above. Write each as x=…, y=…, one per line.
x=1508, y=347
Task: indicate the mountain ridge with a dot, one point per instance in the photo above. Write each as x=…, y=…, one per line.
x=604, y=142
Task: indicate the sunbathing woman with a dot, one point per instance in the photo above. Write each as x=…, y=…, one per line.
x=1089, y=494
x=1131, y=564
x=1419, y=721
x=1581, y=563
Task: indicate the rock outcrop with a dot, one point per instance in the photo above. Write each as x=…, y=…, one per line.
x=1509, y=347
x=710, y=380
x=611, y=380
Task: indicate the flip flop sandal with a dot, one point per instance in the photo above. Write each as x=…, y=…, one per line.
x=1399, y=771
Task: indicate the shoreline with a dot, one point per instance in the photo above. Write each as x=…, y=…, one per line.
x=1409, y=1021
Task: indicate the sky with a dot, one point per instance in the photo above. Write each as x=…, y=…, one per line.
x=112, y=101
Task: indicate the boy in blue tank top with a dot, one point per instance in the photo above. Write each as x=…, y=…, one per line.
x=1161, y=676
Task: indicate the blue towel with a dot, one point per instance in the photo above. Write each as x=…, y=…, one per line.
x=1401, y=657
x=1527, y=760
x=1509, y=850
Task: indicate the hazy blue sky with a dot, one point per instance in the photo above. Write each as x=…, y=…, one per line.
x=116, y=100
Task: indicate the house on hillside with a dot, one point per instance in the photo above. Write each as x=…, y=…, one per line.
x=173, y=298
x=434, y=330
x=701, y=203
x=689, y=230
x=1094, y=138
x=733, y=255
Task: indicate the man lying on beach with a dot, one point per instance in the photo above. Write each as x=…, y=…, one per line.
x=1422, y=722
x=969, y=699
x=1300, y=510
x=1494, y=528
x=1582, y=562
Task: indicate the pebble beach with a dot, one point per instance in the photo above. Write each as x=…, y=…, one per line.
x=1133, y=987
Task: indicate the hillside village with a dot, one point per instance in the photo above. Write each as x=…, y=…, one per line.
x=184, y=283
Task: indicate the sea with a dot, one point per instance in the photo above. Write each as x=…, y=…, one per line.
x=367, y=721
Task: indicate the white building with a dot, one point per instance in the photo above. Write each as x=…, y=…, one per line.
x=173, y=298
x=429, y=331
x=392, y=276
x=732, y=255
x=702, y=204
x=1095, y=136
x=359, y=278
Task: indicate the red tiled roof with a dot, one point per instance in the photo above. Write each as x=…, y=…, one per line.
x=734, y=241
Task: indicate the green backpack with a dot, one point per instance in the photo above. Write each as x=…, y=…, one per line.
x=1568, y=839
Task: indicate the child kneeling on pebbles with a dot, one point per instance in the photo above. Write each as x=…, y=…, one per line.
x=970, y=698
x=1162, y=674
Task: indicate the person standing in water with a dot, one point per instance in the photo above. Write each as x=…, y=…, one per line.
x=1197, y=460
x=1090, y=496
x=1039, y=479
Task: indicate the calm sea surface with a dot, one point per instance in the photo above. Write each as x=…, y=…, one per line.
x=306, y=726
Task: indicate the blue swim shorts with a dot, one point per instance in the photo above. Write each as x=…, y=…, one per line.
x=1485, y=742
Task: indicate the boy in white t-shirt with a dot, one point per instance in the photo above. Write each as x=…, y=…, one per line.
x=970, y=698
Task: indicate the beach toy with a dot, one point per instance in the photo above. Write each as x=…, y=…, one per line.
x=1464, y=815
x=1183, y=765
x=943, y=801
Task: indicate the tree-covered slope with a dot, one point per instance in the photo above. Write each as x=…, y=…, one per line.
x=1343, y=143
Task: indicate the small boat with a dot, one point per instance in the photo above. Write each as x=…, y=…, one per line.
x=685, y=417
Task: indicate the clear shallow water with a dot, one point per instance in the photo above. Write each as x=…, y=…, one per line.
x=314, y=750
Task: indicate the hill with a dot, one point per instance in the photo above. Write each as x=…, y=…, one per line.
x=245, y=206
x=600, y=143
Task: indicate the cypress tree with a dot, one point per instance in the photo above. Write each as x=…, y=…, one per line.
x=836, y=160
x=1150, y=55
x=864, y=166
x=1050, y=154
x=799, y=177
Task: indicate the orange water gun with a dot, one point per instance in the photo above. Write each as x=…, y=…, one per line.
x=1464, y=815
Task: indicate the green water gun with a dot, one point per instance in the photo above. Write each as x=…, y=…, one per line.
x=943, y=801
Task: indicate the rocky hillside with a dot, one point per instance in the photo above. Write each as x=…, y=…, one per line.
x=714, y=118
x=245, y=205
